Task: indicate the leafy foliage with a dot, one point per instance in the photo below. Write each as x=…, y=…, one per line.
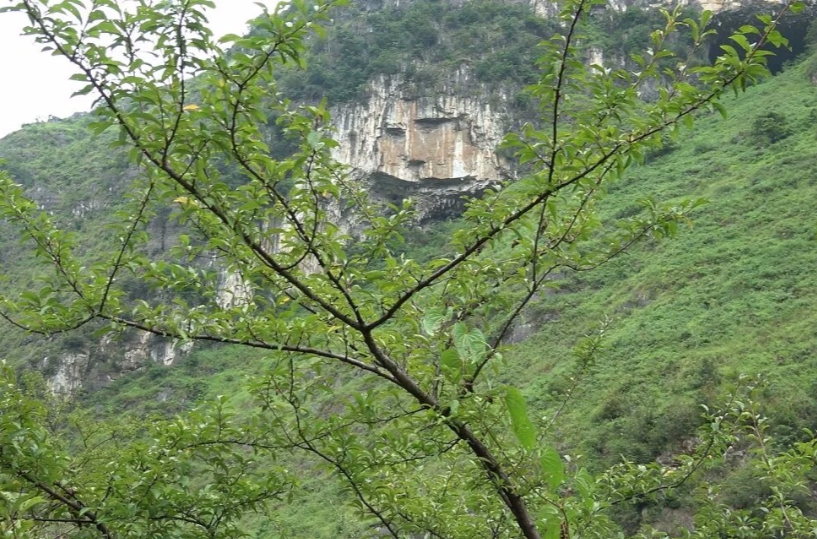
x=770, y=127
x=430, y=446
x=424, y=41
x=730, y=296
x=189, y=477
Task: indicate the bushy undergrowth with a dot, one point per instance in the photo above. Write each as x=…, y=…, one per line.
x=736, y=293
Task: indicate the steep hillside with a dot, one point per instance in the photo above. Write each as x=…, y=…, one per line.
x=421, y=93
x=731, y=295
x=734, y=294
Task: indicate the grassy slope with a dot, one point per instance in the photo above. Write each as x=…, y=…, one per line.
x=736, y=293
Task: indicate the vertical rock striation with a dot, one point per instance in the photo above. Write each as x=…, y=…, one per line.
x=432, y=148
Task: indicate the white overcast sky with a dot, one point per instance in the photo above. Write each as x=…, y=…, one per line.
x=34, y=85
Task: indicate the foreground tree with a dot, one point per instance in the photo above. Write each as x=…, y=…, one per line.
x=435, y=446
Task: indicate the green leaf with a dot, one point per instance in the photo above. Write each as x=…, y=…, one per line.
x=552, y=467
x=521, y=424
x=96, y=15
x=586, y=487
x=454, y=406
x=313, y=139
x=742, y=41
x=229, y=38
x=706, y=16
x=31, y=502
x=551, y=520
x=470, y=344
x=451, y=364
x=433, y=320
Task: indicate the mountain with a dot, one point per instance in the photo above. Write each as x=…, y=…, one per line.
x=420, y=110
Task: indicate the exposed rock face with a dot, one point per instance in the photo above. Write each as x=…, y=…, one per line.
x=47, y=199
x=720, y=5
x=130, y=352
x=147, y=346
x=595, y=56
x=548, y=8
x=83, y=208
x=69, y=375
x=413, y=146
x=541, y=7
x=233, y=290
x=545, y=8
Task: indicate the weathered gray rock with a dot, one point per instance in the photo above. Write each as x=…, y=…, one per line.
x=433, y=148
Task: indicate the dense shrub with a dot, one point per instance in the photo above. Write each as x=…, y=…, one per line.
x=499, y=40
x=770, y=127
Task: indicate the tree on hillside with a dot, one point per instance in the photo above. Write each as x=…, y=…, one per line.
x=435, y=445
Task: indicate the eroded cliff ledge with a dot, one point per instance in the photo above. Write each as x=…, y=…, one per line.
x=434, y=149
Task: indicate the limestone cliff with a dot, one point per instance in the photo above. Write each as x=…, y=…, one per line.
x=436, y=144
x=432, y=148
x=81, y=368
x=716, y=6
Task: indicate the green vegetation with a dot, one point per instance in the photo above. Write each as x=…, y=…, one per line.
x=379, y=371
x=621, y=33
x=496, y=44
x=770, y=127
x=425, y=41
x=734, y=294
